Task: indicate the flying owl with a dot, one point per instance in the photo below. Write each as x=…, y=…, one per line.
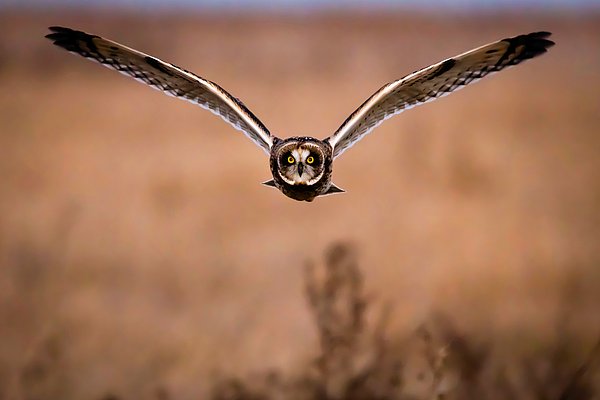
x=302, y=166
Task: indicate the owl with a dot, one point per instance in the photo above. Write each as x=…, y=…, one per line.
x=302, y=166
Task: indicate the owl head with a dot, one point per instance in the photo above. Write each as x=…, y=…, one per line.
x=302, y=161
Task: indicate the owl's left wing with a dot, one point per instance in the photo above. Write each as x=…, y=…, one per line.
x=165, y=77
x=436, y=81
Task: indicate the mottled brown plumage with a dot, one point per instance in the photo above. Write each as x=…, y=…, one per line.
x=436, y=81
x=302, y=166
x=314, y=178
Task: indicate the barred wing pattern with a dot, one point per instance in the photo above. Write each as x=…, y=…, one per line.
x=436, y=81
x=165, y=77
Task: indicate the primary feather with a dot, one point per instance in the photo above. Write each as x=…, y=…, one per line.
x=169, y=78
x=436, y=81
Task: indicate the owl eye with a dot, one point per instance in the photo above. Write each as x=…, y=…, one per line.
x=291, y=160
x=310, y=160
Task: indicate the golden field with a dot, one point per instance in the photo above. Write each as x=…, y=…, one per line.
x=140, y=257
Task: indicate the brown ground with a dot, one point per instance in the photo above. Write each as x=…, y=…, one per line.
x=138, y=249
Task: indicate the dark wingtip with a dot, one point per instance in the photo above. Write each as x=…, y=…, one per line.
x=539, y=34
x=535, y=43
x=68, y=38
x=541, y=38
x=58, y=32
x=57, y=28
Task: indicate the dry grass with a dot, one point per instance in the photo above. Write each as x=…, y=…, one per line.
x=356, y=361
x=140, y=257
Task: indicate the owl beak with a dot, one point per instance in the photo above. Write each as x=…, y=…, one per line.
x=300, y=169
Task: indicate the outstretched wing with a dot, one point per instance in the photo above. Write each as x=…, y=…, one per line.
x=166, y=77
x=436, y=81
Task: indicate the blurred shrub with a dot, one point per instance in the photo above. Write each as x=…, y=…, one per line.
x=356, y=361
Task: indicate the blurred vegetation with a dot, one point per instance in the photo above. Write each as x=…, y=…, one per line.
x=359, y=362
x=140, y=258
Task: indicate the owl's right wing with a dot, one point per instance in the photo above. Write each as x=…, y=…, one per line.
x=165, y=77
x=436, y=81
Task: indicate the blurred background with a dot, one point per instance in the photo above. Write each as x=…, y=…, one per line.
x=141, y=258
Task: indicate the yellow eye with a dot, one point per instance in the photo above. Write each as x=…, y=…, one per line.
x=291, y=160
x=310, y=160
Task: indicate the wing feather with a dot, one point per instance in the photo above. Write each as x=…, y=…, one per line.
x=436, y=81
x=166, y=77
